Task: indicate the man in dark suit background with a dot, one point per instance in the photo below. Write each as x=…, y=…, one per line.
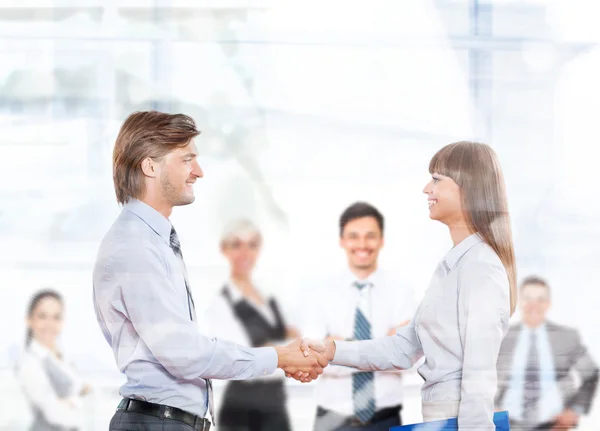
x=536, y=364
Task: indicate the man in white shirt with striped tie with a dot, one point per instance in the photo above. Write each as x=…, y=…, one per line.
x=363, y=302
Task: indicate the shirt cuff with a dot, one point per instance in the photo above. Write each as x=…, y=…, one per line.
x=266, y=359
x=346, y=353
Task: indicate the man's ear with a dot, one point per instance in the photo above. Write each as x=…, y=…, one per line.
x=149, y=167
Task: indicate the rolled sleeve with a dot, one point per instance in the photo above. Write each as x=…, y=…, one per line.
x=484, y=311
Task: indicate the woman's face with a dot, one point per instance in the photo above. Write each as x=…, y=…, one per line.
x=444, y=199
x=242, y=254
x=46, y=321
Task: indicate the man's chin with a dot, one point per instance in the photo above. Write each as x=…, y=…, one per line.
x=363, y=265
x=185, y=201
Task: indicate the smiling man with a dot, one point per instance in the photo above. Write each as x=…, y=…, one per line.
x=537, y=366
x=142, y=295
x=362, y=302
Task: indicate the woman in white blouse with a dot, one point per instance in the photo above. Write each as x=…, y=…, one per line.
x=464, y=315
x=51, y=385
x=242, y=314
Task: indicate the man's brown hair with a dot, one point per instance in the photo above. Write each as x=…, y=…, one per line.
x=146, y=134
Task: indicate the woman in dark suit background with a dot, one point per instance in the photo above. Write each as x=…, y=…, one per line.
x=243, y=314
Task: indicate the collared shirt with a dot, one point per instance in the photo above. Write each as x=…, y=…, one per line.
x=141, y=304
x=458, y=327
x=33, y=378
x=386, y=301
x=550, y=402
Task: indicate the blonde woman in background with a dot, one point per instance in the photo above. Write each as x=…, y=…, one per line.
x=243, y=314
x=464, y=315
x=51, y=385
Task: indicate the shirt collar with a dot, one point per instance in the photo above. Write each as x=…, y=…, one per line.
x=38, y=349
x=372, y=279
x=459, y=250
x=539, y=330
x=157, y=222
x=236, y=292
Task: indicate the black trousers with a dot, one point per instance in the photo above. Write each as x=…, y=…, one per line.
x=254, y=406
x=130, y=421
x=383, y=420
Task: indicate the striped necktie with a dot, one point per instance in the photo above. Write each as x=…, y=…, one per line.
x=363, y=383
x=531, y=387
x=176, y=247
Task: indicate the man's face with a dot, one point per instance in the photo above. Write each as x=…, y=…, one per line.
x=535, y=302
x=362, y=240
x=179, y=170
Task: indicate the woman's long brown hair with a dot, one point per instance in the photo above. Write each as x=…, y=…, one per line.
x=476, y=170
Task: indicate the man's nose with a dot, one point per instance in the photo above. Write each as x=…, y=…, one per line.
x=197, y=170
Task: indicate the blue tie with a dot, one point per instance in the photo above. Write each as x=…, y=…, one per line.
x=363, y=383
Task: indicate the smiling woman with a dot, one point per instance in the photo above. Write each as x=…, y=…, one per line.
x=464, y=315
x=244, y=314
x=51, y=384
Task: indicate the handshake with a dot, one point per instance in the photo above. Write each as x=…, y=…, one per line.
x=304, y=360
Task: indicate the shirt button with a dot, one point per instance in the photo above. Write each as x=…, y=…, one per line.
x=266, y=372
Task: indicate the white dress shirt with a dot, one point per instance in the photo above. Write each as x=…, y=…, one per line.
x=550, y=402
x=222, y=322
x=386, y=302
x=458, y=327
x=38, y=389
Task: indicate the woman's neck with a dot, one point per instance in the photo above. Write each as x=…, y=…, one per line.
x=51, y=347
x=459, y=231
x=243, y=283
x=245, y=286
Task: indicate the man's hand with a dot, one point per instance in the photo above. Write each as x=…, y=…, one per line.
x=325, y=348
x=296, y=363
x=393, y=329
x=566, y=420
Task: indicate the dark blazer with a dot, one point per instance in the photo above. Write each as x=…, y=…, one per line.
x=569, y=355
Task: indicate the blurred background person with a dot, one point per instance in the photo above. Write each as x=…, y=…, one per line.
x=50, y=383
x=359, y=302
x=536, y=365
x=243, y=314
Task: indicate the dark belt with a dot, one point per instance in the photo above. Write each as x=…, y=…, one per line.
x=162, y=411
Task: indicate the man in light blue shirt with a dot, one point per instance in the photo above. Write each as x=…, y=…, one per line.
x=141, y=291
x=535, y=366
